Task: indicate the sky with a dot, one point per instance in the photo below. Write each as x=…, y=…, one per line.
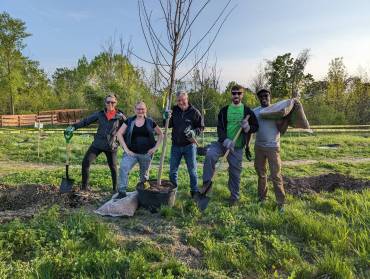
x=256, y=31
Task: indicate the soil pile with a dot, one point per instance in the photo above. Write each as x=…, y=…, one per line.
x=325, y=182
x=25, y=200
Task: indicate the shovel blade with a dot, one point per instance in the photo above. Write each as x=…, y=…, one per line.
x=66, y=185
x=202, y=202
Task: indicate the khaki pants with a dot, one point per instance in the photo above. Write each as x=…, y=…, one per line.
x=272, y=155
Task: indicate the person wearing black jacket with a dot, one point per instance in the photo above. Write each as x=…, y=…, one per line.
x=231, y=119
x=186, y=123
x=105, y=141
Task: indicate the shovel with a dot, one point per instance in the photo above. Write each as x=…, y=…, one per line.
x=67, y=183
x=203, y=200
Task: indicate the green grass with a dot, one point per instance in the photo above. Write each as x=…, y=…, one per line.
x=324, y=235
x=23, y=147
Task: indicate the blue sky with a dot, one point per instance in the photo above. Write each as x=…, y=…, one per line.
x=63, y=31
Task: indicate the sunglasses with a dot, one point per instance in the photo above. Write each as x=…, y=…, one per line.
x=110, y=102
x=236, y=93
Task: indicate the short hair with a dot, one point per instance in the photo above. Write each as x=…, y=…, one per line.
x=181, y=93
x=139, y=103
x=263, y=90
x=237, y=87
x=110, y=95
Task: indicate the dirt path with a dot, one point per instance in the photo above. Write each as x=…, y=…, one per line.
x=310, y=162
x=7, y=167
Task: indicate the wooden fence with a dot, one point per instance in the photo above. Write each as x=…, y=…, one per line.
x=53, y=117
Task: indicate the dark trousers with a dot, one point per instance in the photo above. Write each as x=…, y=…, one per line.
x=90, y=157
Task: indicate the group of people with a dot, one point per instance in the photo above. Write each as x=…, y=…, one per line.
x=140, y=137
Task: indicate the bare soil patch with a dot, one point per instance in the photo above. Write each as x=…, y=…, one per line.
x=26, y=200
x=324, y=182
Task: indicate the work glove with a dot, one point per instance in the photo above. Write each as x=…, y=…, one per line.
x=248, y=154
x=245, y=125
x=68, y=133
x=189, y=133
x=229, y=144
x=167, y=114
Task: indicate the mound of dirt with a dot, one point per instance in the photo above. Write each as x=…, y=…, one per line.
x=152, y=186
x=325, y=182
x=25, y=200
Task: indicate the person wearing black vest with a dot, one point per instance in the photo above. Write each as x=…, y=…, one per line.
x=105, y=141
x=137, y=139
x=186, y=123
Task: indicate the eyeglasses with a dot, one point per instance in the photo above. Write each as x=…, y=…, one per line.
x=236, y=93
x=110, y=102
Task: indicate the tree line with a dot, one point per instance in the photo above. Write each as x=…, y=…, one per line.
x=339, y=98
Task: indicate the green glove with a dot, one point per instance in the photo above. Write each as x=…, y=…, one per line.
x=68, y=133
x=167, y=114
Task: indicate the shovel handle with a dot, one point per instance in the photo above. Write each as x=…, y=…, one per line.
x=67, y=174
x=68, y=149
x=234, y=140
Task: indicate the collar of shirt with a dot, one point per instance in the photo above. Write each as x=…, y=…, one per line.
x=110, y=114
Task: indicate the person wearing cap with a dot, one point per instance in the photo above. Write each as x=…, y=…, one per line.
x=186, y=123
x=231, y=119
x=105, y=141
x=267, y=149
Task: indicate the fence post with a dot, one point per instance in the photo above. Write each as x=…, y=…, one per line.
x=52, y=119
x=19, y=121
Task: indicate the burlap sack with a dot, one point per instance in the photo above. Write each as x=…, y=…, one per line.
x=298, y=119
x=278, y=110
x=122, y=207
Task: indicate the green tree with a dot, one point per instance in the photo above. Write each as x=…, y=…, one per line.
x=285, y=75
x=12, y=35
x=336, y=79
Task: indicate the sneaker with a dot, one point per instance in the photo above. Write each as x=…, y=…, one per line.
x=207, y=186
x=195, y=195
x=121, y=195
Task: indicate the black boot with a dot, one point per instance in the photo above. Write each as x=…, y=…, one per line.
x=121, y=195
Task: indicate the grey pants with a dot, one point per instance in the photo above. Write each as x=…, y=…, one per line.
x=127, y=163
x=235, y=158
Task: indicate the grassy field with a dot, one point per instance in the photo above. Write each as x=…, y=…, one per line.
x=23, y=147
x=323, y=235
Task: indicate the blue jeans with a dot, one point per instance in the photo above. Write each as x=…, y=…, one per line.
x=127, y=163
x=190, y=154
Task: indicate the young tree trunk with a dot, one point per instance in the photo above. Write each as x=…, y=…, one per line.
x=168, y=106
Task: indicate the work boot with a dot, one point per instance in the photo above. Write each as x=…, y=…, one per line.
x=281, y=208
x=233, y=202
x=262, y=201
x=207, y=186
x=121, y=195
